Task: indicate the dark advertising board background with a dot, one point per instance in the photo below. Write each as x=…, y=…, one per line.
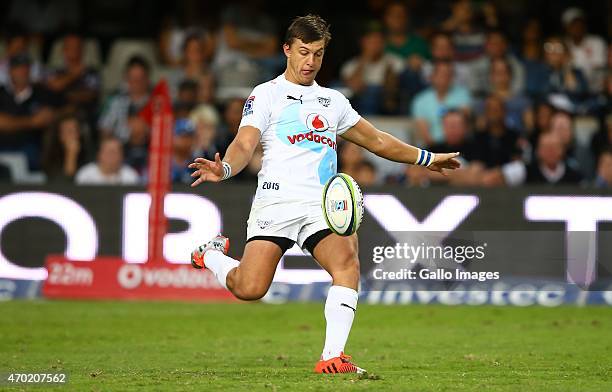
x=27, y=241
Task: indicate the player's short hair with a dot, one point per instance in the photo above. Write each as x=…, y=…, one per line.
x=309, y=28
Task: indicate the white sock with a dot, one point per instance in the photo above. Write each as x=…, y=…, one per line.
x=340, y=309
x=220, y=265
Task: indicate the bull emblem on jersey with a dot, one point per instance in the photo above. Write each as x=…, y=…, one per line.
x=324, y=101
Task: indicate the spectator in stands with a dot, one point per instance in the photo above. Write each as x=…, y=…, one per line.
x=495, y=143
x=232, y=115
x=578, y=155
x=430, y=105
x=76, y=82
x=172, y=38
x=531, y=56
x=121, y=109
x=194, y=63
x=442, y=49
x=588, y=51
x=496, y=48
x=551, y=167
x=26, y=110
x=136, y=148
x=604, y=170
x=399, y=40
x=247, y=47
x=206, y=89
x=500, y=84
x=65, y=150
x=468, y=38
x=531, y=46
x=602, y=102
x=17, y=41
x=562, y=78
x=206, y=120
x=413, y=82
x=602, y=140
x=538, y=122
x=182, y=151
x=455, y=126
x=109, y=168
x=372, y=76
x=186, y=99
x=188, y=92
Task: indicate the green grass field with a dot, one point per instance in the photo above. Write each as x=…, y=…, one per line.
x=161, y=346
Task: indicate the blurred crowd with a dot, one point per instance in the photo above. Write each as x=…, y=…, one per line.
x=530, y=111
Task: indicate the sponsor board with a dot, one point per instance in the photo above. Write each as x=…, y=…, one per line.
x=505, y=293
x=19, y=289
x=113, y=278
x=531, y=234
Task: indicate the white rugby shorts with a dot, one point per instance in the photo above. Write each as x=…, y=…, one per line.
x=295, y=220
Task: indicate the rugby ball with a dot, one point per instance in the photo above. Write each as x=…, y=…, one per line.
x=342, y=204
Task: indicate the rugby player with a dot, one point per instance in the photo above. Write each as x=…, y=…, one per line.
x=297, y=123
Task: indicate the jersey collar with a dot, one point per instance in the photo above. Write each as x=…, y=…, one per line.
x=284, y=80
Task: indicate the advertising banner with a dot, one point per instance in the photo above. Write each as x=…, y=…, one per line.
x=411, y=240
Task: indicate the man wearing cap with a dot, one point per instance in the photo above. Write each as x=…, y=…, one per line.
x=26, y=110
x=16, y=41
x=588, y=51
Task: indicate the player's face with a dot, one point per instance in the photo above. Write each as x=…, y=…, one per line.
x=304, y=60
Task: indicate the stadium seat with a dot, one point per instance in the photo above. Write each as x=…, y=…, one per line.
x=91, y=53
x=225, y=93
x=17, y=163
x=120, y=53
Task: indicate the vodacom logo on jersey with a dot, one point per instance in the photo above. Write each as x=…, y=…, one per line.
x=316, y=123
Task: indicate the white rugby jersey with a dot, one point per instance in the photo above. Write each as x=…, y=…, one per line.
x=298, y=126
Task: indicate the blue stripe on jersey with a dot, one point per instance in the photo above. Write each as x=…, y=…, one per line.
x=289, y=124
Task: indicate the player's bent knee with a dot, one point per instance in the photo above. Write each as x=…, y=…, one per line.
x=250, y=291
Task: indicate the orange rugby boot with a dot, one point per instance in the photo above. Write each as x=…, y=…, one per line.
x=219, y=243
x=341, y=364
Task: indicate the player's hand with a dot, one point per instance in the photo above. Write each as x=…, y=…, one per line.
x=207, y=170
x=445, y=161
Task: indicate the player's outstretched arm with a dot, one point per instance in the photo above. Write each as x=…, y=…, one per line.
x=237, y=156
x=387, y=146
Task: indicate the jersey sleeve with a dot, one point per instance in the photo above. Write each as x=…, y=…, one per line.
x=348, y=117
x=256, y=111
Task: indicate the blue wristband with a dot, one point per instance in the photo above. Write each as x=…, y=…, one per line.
x=425, y=158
